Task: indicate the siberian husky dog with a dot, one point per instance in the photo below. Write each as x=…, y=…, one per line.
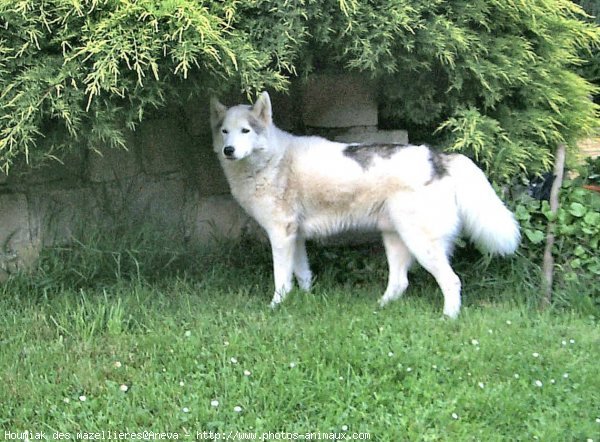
x=297, y=187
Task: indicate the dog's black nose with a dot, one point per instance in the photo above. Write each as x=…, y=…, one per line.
x=228, y=151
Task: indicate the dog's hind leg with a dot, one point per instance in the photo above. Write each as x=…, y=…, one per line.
x=432, y=255
x=399, y=260
x=301, y=266
x=283, y=246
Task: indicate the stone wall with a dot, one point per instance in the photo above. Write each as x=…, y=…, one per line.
x=168, y=178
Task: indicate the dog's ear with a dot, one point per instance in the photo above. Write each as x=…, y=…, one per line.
x=217, y=112
x=262, y=108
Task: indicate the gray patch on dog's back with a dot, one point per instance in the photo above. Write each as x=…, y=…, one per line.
x=364, y=154
x=439, y=167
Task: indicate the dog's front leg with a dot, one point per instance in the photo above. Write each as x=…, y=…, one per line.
x=283, y=246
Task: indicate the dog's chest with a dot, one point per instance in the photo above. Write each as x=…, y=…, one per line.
x=253, y=189
x=262, y=195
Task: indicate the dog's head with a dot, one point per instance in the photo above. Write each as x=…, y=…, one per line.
x=240, y=130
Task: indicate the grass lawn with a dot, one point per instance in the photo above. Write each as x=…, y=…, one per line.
x=99, y=340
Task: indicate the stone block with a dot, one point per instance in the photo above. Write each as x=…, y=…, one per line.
x=14, y=222
x=59, y=215
x=163, y=144
x=339, y=101
x=287, y=109
x=147, y=200
x=110, y=164
x=207, y=173
x=162, y=202
x=215, y=217
x=17, y=249
x=197, y=116
x=363, y=135
x=69, y=169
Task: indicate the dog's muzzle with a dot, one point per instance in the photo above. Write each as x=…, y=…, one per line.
x=229, y=152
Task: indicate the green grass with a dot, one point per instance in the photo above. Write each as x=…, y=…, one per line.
x=181, y=329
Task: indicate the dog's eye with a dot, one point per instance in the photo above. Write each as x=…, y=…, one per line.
x=225, y=131
x=245, y=131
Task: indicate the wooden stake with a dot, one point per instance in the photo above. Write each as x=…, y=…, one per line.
x=548, y=264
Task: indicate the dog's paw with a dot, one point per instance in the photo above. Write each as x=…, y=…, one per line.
x=387, y=298
x=305, y=286
x=383, y=302
x=305, y=281
x=275, y=302
x=451, y=313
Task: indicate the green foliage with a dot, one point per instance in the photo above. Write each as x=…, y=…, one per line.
x=483, y=138
x=591, y=66
x=79, y=72
x=577, y=230
x=492, y=78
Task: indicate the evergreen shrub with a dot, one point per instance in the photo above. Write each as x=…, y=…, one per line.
x=495, y=79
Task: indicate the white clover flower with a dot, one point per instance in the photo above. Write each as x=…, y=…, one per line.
x=390, y=354
x=481, y=385
x=123, y=388
x=572, y=341
x=247, y=372
x=535, y=355
x=564, y=342
x=82, y=398
x=234, y=360
x=187, y=333
x=214, y=403
x=117, y=364
x=185, y=409
x=292, y=364
x=408, y=369
x=226, y=343
x=454, y=416
x=566, y=375
x=181, y=383
x=344, y=427
x=66, y=400
x=474, y=342
x=538, y=383
x=508, y=322
x=237, y=409
x=517, y=376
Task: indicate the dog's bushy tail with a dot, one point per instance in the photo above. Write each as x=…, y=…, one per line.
x=485, y=219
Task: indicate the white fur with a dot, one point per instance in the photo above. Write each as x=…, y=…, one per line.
x=297, y=187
